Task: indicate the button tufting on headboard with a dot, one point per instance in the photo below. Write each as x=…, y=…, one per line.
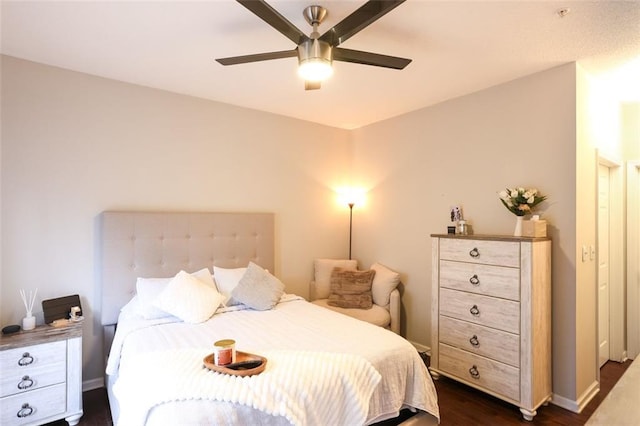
x=157, y=244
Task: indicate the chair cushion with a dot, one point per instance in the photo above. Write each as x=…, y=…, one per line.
x=376, y=315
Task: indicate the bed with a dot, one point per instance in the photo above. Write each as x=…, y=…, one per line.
x=322, y=368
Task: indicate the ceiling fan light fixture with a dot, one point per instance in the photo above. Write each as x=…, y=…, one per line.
x=315, y=60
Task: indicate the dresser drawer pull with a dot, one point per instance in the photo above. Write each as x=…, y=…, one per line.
x=25, y=383
x=474, y=280
x=474, y=310
x=474, y=341
x=25, y=360
x=474, y=372
x=474, y=253
x=25, y=411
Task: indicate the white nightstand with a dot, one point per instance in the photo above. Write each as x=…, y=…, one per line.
x=41, y=376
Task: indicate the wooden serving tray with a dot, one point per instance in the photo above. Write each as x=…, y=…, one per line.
x=240, y=357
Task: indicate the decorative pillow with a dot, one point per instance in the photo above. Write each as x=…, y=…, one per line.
x=132, y=307
x=189, y=299
x=384, y=282
x=322, y=273
x=258, y=289
x=351, y=289
x=148, y=290
x=226, y=280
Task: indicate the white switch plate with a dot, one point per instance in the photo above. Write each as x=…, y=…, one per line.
x=585, y=253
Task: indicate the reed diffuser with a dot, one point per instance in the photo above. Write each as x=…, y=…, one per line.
x=29, y=321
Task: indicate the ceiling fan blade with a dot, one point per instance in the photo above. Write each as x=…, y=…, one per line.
x=269, y=15
x=311, y=85
x=258, y=57
x=358, y=20
x=368, y=58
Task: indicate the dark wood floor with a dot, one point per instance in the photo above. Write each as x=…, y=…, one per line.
x=462, y=405
x=459, y=405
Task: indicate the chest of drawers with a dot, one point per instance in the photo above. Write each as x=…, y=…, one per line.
x=41, y=376
x=491, y=316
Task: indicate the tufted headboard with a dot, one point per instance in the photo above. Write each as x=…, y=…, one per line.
x=159, y=244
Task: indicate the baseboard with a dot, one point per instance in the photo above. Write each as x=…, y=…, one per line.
x=421, y=348
x=583, y=400
x=92, y=384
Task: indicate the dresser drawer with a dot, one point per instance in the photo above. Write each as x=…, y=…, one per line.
x=32, y=367
x=489, y=280
x=33, y=406
x=501, y=253
x=488, y=342
x=484, y=310
x=494, y=376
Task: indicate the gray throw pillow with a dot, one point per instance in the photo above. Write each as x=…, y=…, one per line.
x=258, y=289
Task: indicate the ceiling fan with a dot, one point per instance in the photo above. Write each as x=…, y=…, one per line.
x=317, y=52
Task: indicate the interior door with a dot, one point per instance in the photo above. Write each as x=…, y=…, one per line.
x=603, y=264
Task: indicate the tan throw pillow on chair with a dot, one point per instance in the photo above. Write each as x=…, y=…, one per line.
x=351, y=289
x=322, y=273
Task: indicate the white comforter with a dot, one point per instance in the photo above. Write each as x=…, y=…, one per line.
x=292, y=328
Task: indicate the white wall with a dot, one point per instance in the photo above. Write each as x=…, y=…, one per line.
x=74, y=145
x=462, y=152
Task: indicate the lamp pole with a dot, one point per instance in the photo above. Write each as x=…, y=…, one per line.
x=350, y=226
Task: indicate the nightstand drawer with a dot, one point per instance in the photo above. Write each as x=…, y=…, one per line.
x=488, y=342
x=33, y=406
x=32, y=367
x=484, y=310
x=491, y=375
x=489, y=280
x=501, y=253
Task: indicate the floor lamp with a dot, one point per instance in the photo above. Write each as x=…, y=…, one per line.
x=350, y=226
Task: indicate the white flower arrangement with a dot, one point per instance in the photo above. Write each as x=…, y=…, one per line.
x=521, y=201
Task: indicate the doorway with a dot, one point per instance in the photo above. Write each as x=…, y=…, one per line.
x=633, y=259
x=610, y=261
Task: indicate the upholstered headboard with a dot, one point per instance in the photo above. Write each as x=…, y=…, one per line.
x=158, y=244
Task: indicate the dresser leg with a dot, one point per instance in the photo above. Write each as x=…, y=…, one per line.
x=434, y=374
x=74, y=420
x=528, y=415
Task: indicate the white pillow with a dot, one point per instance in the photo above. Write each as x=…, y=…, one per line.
x=384, y=282
x=149, y=288
x=189, y=299
x=226, y=280
x=258, y=289
x=132, y=307
x=322, y=273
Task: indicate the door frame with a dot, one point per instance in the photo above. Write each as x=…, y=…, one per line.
x=617, y=296
x=633, y=258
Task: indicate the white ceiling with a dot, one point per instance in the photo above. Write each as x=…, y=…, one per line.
x=457, y=47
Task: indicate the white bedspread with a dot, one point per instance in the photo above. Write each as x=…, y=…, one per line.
x=319, y=388
x=293, y=327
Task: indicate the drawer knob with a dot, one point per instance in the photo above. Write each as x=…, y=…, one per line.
x=25, y=383
x=474, y=253
x=474, y=310
x=25, y=411
x=25, y=360
x=474, y=341
x=474, y=372
x=474, y=280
